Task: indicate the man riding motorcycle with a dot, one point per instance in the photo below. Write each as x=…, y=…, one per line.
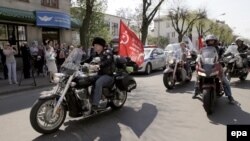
x=242, y=48
x=184, y=53
x=105, y=69
x=212, y=41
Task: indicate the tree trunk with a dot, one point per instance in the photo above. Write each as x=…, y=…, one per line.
x=180, y=36
x=144, y=33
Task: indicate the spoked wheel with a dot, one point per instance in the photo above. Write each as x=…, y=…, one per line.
x=119, y=99
x=41, y=117
x=168, y=80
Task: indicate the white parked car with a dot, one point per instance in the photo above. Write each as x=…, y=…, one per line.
x=154, y=58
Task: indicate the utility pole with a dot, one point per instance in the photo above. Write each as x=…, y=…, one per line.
x=159, y=24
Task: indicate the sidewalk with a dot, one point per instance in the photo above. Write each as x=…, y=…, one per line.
x=26, y=84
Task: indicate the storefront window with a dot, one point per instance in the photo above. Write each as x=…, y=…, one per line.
x=3, y=32
x=21, y=33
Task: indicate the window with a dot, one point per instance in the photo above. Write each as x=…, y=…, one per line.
x=173, y=34
x=168, y=35
x=21, y=33
x=24, y=0
x=3, y=32
x=50, y=3
x=115, y=29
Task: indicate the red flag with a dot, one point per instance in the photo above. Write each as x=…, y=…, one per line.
x=130, y=45
x=200, y=40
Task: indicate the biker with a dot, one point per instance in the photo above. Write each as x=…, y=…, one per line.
x=184, y=53
x=242, y=48
x=212, y=41
x=105, y=69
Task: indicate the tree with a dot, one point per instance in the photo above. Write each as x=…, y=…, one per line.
x=160, y=41
x=183, y=19
x=90, y=13
x=204, y=26
x=147, y=17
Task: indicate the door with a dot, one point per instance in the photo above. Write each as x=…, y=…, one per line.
x=51, y=34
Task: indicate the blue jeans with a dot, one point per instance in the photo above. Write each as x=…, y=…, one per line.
x=226, y=86
x=102, y=81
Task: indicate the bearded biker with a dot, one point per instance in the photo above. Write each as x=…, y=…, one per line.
x=212, y=41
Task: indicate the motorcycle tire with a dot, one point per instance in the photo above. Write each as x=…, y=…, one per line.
x=34, y=117
x=114, y=105
x=166, y=80
x=208, y=101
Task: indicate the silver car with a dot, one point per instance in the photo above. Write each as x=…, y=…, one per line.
x=154, y=58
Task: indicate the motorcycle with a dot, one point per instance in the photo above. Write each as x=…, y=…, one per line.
x=72, y=93
x=175, y=70
x=210, y=86
x=234, y=64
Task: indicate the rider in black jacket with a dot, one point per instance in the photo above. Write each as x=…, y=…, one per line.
x=105, y=68
x=242, y=48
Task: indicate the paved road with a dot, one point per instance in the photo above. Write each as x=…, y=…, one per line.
x=150, y=114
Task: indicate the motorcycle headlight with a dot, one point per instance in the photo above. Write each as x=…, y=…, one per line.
x=171, y=61
x=57, y=77
x=214, y=73
x=201, y=73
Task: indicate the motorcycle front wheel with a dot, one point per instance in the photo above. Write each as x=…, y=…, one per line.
x=208, y=103
x=41, y=116
x=168, y=80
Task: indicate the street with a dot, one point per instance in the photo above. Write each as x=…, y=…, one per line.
x=150, y=114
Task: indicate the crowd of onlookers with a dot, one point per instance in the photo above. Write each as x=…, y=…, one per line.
x=38, y=59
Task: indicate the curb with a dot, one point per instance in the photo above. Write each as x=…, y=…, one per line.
x=20, y=89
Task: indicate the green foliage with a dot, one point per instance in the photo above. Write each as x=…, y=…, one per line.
x=97, y=26
x=162, y=42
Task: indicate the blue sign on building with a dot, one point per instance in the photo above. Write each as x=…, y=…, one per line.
x=53, y=19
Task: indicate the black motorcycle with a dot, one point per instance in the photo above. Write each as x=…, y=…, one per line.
x=72, y=94
x=175, y=70
x=234, y=63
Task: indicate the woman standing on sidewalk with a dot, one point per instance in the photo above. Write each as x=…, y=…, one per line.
x=9, y=52
x=50, y=60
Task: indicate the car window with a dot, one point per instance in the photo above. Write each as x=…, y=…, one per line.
x=154, y=52
x=160, y=51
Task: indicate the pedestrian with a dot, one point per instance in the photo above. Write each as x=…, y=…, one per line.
x=3, y=60
x=9, y=52
x=50, y=60
x=26, y=57
x=34, y=52
x=61, y=55
x=40, y=59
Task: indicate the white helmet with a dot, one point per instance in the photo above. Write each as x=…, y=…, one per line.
x=239, y=39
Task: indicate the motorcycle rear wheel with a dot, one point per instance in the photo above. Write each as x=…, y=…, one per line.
x=119, y=100
x=41, y=116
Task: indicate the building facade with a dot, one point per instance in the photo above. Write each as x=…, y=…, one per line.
x=163, y=27
x=29, y=20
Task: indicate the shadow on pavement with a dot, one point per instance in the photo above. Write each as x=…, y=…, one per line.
x=17, y=102
x=241, y=84
x=106, y=126
x=226, y=113
x=187, y=87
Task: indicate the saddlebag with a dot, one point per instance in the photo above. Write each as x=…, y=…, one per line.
x=125, y=82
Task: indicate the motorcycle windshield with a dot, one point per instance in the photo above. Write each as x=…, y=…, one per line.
x=209, y=57
x=232, y=49
x=173, y=52
x=72, y=62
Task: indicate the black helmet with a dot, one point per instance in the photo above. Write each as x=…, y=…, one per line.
x=99, y=41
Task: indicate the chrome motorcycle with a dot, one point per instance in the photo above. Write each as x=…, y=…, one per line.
x=73, y=93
